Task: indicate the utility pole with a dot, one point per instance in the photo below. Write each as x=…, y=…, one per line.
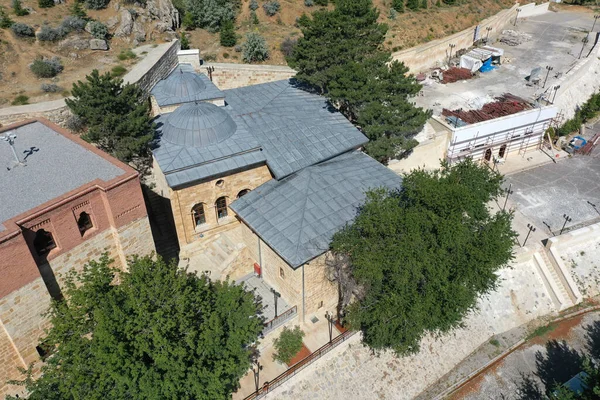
x=276, y=295
x=450, y=55
x=555, y=91
x=567, y=219
x=548, y=69
x=257, y=375
x=330, y=320
x=584, y=40
x=531, y=229
x=594, y=24
x=487, y=36
x=593, y=205
x=508, y=193
x=10, y=137
x=517, y=17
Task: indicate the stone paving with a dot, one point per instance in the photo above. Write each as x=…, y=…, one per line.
x=351, y=371
x=583, y=262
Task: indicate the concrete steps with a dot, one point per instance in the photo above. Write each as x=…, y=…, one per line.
x=551, y=276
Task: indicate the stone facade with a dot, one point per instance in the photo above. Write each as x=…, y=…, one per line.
x=231, y=76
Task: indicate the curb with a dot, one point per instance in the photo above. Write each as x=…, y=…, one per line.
x=512, y=348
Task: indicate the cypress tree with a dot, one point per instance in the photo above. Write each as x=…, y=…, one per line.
x=227, y=34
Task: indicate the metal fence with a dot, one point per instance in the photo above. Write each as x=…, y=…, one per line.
x=294, y=369
x=279, y=320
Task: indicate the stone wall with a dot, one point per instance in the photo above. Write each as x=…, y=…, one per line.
x=231, y=76
x=435, y=53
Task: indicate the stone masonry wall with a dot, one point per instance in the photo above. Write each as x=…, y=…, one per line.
x=231, y=76
x=182, y=201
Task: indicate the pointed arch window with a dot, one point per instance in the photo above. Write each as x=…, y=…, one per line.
x=84, y=222
x=43, y=242
x=221, y=206
x=243, y=192
x=198, y=214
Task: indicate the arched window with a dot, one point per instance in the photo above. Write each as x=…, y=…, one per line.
x=488, y=155
x=84, y=222
x=198, y=214
x=43, y=242
x=221, y=205
x=502, y=151
x=243, y=192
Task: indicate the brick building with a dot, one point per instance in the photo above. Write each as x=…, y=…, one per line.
x=271, y=174
x=64, y=202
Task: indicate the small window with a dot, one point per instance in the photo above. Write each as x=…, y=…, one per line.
x=84, y=222
x=502, y=151
x=220, y=182
x=198, y=214
x=488, y=155
x=221, y=204
x=243, y=192
x=43, y=242
x=281, y=273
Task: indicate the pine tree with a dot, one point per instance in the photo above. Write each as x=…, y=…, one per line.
x=358, y=76
x=398, y=5
x=227, y=35
x=424, y=4
x=184, y=41
x=116, y=115
x=412, y=5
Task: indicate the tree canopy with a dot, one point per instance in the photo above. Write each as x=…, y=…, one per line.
x=211, y=14
x=341, y=55
x=422, y=255
x=161, y=333
x=116, y=115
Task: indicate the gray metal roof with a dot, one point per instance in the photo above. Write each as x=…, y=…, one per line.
x=57, y=167
x=291, y=128
x=184, y=85
x=198, y=125
x=298, y=216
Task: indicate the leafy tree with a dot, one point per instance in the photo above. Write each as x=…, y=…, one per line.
x=77, y=10
x=422, y=255
x=412, y=5
x=424, y=4
x=398, y=5
x=161, y=333
x=288, y=344
x=5, y=21
x=96, y=4
x=227, y=35
x=255, y=48
x=18, y=8
x=321, y=2
x=45, y=3
x=116, y=115
x=357, y=75
x=210, y=14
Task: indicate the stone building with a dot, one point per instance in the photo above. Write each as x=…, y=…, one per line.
x=274, y=172
x=64, y=202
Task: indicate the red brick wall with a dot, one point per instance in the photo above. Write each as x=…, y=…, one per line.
x=17, y=267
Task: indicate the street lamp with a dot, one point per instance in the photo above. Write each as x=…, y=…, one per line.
x=595, y=19
x=450, y=55
x=330, y=322
x=276, y=295
x=531, y=229
x=257, y=375
x=487, y=36
x=508, y=193
x=548, y=69
x=517, y=17
x=593, y=205
x=555, y=91
x=584, y=40
x=567, y=219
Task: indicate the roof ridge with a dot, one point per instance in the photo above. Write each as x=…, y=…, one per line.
x=268, y=102
x=310, y=172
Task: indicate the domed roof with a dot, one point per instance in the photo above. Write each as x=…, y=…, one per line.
x=198, y=124
x=183, y=84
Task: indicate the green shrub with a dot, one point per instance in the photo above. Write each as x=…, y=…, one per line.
x=393, y=14
x=227, y=35
x=98, y=30
x=188, y=21
x=126, y=55
x=255, y=48
x=46, y=68
x=45, y=3
x=50, y=88
x=18, y=8
x=20, y=100
x=76, y=10
x=309, y=3
x=225, y=55
x=210, y=14
x=49, y=34
x=271, y=7
x=287, y=46
x=288, y=344
x=117, y=71
x=73, y=24
x=22, y=30
x=583, y=114
x=254, y=18
x=321, y=2
x=253, y=5
x=184, y=41
x=5, y=21
x=210, y=57
x=96, y=4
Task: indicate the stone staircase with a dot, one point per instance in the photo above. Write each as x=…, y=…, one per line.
x=554, y=280
x=162, y=224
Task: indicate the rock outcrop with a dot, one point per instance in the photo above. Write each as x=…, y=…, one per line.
x=125, y=25
x=163, y=11
x=74, y=43
x=98, y=44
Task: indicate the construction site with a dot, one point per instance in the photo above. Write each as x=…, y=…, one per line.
x=499, y=97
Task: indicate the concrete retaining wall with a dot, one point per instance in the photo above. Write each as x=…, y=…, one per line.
x=231, y=76
x=531, y=9
x=435, y=53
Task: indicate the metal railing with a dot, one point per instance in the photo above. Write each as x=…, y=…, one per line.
x=294, y=369
x=279, y=320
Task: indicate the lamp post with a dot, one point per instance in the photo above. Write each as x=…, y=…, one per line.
x=276, y=295
x=517, y=17
x=593, y=205
x=257, y=375
x=508, y=193
x=531, y=229
x=594, y=24
x=487, y=36
x=584, y=41
x=548, y=69
x=330, y=320
x=452, y=45
x=567, y=219
x=555, y=91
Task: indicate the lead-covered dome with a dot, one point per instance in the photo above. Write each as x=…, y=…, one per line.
x=183, y=85
x=198, y=125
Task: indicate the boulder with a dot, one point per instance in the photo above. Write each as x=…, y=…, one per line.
x=74, y=43
x=88, y=27
x=112, y=22
x=162, y=27
x=126, y=24
x=164, y=12
x=139, y=33
x=98, y=44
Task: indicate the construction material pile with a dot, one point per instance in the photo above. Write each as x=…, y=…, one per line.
x=456, y=74
x=507, y=104
x=514, y=38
